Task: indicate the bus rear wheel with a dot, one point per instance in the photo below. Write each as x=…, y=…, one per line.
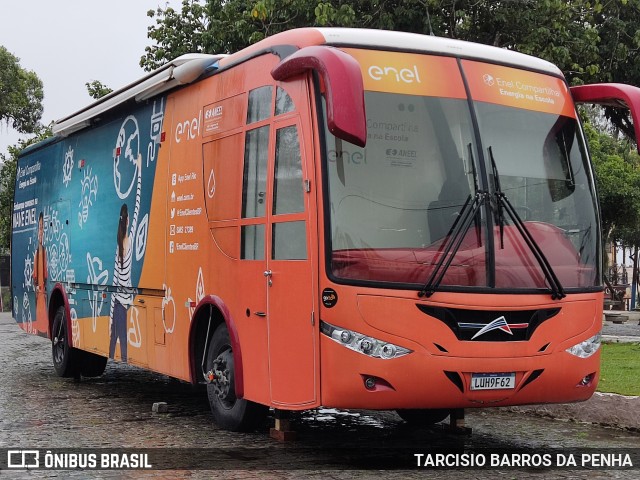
x=423, y=417
x=65, y=357
x=229, y=412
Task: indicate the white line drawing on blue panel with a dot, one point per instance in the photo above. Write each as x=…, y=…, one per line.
x=75, y=327
x=127, y=148
x=97, y=276
x=28, y=272
x=156, y=131
x=52, y=226
x=141, y=237
x=88, y=195
x=67, y=168
x=26, y=312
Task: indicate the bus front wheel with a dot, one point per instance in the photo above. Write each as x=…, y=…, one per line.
x=65, y=357
x=229, y=412
x=424, y=417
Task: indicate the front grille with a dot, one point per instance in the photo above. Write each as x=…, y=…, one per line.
x=498, y=325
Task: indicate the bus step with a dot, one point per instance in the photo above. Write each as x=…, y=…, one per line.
x=456, y=423
x=282, y=430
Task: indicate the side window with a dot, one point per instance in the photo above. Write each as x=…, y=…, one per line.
x=284, y=103
x=287, y=190
x=252, y=242
x=289, y=241
x=254, y=182
x=254, y=188
x=288, y=231
x=259, y=107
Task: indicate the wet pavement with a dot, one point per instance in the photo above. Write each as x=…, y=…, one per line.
x=39, y=410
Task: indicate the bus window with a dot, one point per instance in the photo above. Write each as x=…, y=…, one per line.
x=392, y=202
x=289, y=236
x=259, y=104
x=289, y=241
x=284, y=103
x=254, y=188
x=287, y=193
x=254, y=184
x=252, y=243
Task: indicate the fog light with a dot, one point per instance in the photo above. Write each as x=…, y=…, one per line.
x=586, y=381
x=370, y=383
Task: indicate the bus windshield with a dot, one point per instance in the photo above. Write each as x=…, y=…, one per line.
x=393, y=205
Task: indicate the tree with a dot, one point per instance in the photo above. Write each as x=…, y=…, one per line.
x=20, y=94
x=590, y=40
x=97, y=89
x=617, y=171
x=619, y=45
x=9, y=163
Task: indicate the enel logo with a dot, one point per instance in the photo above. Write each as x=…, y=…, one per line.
x=406, y=75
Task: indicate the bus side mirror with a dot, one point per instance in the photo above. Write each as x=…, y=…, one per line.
x=342, y=78
x=612, y=95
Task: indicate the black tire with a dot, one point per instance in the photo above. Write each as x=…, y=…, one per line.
x=65, y=357
x=92, y=365
x=423, y=418
x=229, y=412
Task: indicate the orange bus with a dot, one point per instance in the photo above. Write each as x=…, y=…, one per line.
x=337, y=217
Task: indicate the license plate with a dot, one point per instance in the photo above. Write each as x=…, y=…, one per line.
x=493, y=381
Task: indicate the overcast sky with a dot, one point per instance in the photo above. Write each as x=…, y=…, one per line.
x=68, y=43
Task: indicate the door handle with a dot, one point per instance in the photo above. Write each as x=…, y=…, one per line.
x=268, y=273
x=260, y=314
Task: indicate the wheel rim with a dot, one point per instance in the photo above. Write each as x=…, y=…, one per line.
x=59, y=343
x=223, y=382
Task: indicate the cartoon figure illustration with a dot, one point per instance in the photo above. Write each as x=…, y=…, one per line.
x=40, y=279
x=121, y=300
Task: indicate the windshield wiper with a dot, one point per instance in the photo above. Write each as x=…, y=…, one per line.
x=557, y=292
x=454, y=238
x=476, y=220
x=497, y=189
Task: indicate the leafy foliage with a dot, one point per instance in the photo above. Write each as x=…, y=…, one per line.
x=8, y=168
x=590, y=40
x=617, y=169
x=97, y=89
x=20, y=94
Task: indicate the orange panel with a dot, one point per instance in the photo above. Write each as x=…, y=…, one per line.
x=409, y=73
x=518, y=88
x=228, y=114
x=223, y=177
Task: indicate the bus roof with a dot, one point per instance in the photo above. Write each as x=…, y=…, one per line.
x=181, y=71
x=188, y=68
x=391, y=40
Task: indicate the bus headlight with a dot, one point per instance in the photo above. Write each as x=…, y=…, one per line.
x=364, y=344
x=587, y=348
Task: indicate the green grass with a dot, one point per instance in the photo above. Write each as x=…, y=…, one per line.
x=620, y=368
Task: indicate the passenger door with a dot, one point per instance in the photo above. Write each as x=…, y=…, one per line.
x=289, y=272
